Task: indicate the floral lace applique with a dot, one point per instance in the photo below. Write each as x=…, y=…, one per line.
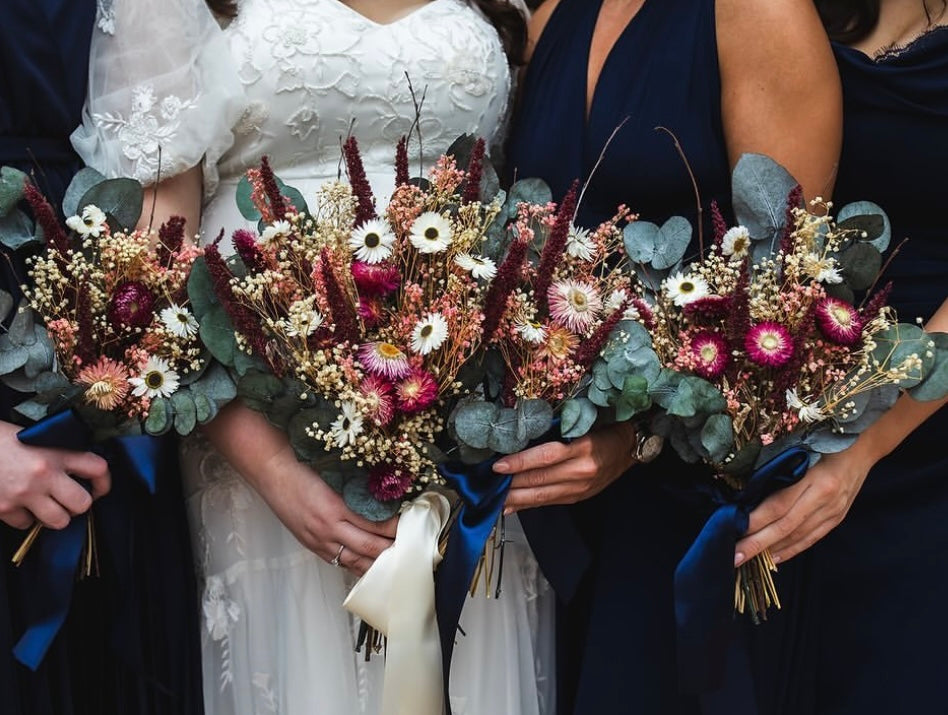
x=149, y=125
x=105, y=16
x=220, y=614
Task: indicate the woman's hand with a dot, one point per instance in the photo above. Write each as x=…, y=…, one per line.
x=36, y=484
x=558, y=473
x=795, y=518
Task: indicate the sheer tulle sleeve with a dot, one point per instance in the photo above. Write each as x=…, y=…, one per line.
x=163, y=91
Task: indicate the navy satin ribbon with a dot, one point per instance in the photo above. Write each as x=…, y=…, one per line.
x=57, y=552
x=709, y=658
x=483, y=493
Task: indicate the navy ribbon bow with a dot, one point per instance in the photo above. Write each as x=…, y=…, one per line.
x=58, y=551
x=704, y=583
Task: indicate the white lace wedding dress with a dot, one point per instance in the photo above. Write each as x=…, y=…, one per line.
x=289, y=79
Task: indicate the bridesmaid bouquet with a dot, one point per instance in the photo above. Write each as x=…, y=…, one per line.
x=348, y=327
x=793, y=366
x=105, y=328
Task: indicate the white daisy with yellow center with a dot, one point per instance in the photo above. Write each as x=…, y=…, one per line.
x=429, y=334
x=431, y=233
x=179, y=321
x=532, y=332
x=736, y=242
x=479, y=267
x=276, y=231
x=372, y=241
x=348, y=425
x=89, y=223
x=157, y=379
x=684, y=289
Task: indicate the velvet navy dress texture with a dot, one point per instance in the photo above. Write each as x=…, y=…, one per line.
x=616, y=628
x=130, y=644
x=870, y=633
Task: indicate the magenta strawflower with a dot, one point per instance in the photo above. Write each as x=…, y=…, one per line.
x=132, y=305
x=710, y=354
x=417, y=392
x=769, y=344
x=384, y=360
x=375, y=278
x=380, y=395
x=388, y=483
x=839, y=321
x=371, y=311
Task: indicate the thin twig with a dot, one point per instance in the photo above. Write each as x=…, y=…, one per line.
x=592, y=173
x=888, y=262
x=416, y=122
x=154, y=197
x=694, y=185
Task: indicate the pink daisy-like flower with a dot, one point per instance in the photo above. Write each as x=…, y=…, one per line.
x=769, y=344
x=375, y=279
x=417, y=392
x=371, y=311
x=574, y=304
x=839, y=321
x=106, y=383
x=384, y=360
x=710, y=352
x=387, y=483
x=380, y=395
x=132, y=305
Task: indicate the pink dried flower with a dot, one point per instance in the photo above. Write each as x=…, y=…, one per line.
x=276, y=199
x=361, y=188
x=401, y=162
x=873, y=307
x=371, y=311
x=710, y=308
x=475, y=168
x=710, y=354
x=380, y=395
x=508, y=275
x=839, y=321
x=376, y=279
x=170, y=240
x=106, y=383
x=385, y=360
x=343, y=315
x=132, y=305
x=388, y=483
x=574, y=304
x=718, y=223
x=45, y=216
x=417, y=392
x=245, y=243
x=769, y=344
x=556, y=243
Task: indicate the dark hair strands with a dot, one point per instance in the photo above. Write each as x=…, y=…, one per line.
x=503, y=15
x=849, y=21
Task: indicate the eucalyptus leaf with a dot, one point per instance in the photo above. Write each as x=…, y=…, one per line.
x=760, y=188
x=305, y=446
x=12, y=183
x=32, y=410
x=860, y=264
x=530, y=191
x=470, y=455
x=185, y=412
x=6, y=305
x=878, y=402
x=260, y=387
x=160, y=416
x=577, y=416
x=868, y=208
x=41, y=384
x=244, y=203
x=597, y=396
x=79, y=186
x=12, y=357
x=42, y=354
x=840, y=291
x=122, y=199
x=935, y=384
x=217, y=384
x=217, y=334
x=205, y=409
x=359, y=498
x=201, y=290
x=744, y=459
x=717, y=437
x=863, y=228
x=633, y=399
x=672, y=242
x=641, y=239
x=534, y=418
x=22, y=330
x=473, y=423
x=505, y=434
x=244, y=363
x=16, y=230
x=827, y=441
x=904, y=344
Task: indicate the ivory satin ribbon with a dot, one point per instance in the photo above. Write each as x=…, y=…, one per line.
x=396, y=597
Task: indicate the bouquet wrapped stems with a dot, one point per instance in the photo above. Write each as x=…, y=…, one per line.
x=754, y=587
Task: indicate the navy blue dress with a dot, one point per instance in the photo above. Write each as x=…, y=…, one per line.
x=131, y=642
x=870, y=631
x=616, y=626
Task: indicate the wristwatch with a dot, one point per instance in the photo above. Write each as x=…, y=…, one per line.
x=647, y=445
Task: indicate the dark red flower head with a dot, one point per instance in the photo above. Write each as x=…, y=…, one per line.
x=132, y=305
x=388, y=483
x=375, y=278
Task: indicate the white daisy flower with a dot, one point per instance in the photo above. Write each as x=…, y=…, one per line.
x=615, y=301
x=304, y=323
x=372, y=241
x=90, y=222
x=822, y=270
x=532, y=332
x=736, y=242
x=477, y=266
x=347, y=426
x=156, y=380
x=276, y=230
x=579, y=244
x=429, y=334
x=807, y=413
x=179, y=321
x=686, y=289
x=431, y=233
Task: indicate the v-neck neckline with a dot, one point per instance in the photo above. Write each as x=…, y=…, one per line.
x=369, y=21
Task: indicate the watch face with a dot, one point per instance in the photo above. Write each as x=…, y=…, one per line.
x=650, y=448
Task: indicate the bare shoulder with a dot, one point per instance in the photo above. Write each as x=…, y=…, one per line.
x=537, y=23
x=781, y=93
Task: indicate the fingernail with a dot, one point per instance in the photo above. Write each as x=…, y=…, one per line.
x=508, y=511
x=501, y=466
x=738, y=559
x=777, y=558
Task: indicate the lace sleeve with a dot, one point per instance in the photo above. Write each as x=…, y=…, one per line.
x=163, y=89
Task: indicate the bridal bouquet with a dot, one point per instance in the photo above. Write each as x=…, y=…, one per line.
x=793, y=366
x=349, y=327
x=105, y=328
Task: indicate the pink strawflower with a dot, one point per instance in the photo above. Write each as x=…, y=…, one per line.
x=380, y=395
x=769, y=344
x=375, y=278
x=839, y=321
x=574, y=304
x=384, y=360
x=371, y=311
x=132, y=305
x=106, y=383
x=388, y=483
x=710, y=354
x=417, y=392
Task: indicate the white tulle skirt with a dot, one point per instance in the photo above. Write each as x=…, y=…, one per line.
x=276, y=638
